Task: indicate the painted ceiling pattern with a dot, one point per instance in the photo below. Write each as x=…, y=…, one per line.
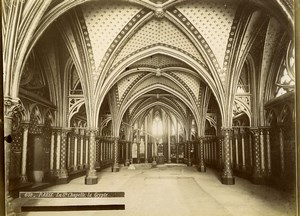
x=159, y=31
x=104, y=22
x=127, y=82
x=191, y=81
x=159, y=61
x=151, y=81
x=213, y=18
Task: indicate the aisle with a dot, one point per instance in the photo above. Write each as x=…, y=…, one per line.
x=172, y=190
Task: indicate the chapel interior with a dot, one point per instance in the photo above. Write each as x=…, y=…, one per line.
x=93, y=87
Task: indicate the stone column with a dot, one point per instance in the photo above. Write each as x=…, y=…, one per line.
x=112, y=149
x=281, y=145
x=177, y=152
x=185, y=151
x=24, y=178
x=81, y=148
x=201, y=167
x=130, y=152
x=138, y=152
x=227, y=175
x=58, y=139
x=75, y=148
x=236, y=139
x=211, y=150
x=257, y=175
x=216, y=151
x=220, y=141
x=108, y=148
x=146, y=139
x=52, y=147
x=231, y=149
x=11, y=107
x=154, y=162
x=250, y=150
x=104, y=149
x=91, y=176
x=63, y=173
x=262, y=150
x=108, y=143
x=86, y=150
x=116, y=167
x=146, y=148
x=269, y=170
x=243, y=149
x=212, y=143
x=69, y=152
x=205, y=149
x=169, y=139
x=189, y=153
x=101, y=150
x=127, y=154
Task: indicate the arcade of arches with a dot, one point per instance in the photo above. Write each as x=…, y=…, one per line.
x=96, y=84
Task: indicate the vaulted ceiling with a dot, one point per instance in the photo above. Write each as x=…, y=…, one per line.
x=174, y=54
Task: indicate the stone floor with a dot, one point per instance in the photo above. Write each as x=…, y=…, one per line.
x=171, y=190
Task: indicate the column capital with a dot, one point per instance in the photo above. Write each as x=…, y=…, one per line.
x=91, y=130
x=235, y=130
x=65, y=130
x=116, y=138
x=242, y=130
x=265, y=127
x=75, y=130
x=81, y=131
x=226, y=131
x=201, y=138
x=25, y=125
x=12, y=106
x=254, y=130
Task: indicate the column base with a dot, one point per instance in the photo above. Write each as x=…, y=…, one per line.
x=126, y=162
x=115, y=168
x=169, y=161
x=228, y=180
x=10, y=211
x=189, y=163
x=201, y=168
x=23, y=179
x=91, y=177
x=257, y=180
x=244, y=168
x=154, y=164
x=52, y=173
x=63, y=180
x=63, y=177
x=91, y=180
x=146, y=161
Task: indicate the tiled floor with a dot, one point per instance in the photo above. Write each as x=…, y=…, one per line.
x=171, y=191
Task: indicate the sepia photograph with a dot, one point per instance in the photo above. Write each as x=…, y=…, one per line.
x=149, y=107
